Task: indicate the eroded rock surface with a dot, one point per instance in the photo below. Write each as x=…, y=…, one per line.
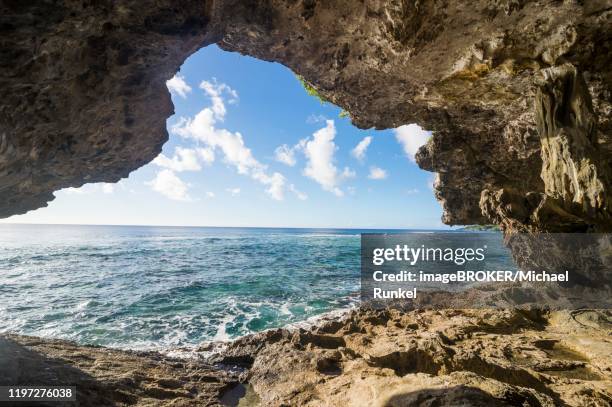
x=448, y=357
x=517, y=92
x=368, y=358
x=82, y=90
x=110, y=377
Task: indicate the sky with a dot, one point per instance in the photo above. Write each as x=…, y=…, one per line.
x=249, y=147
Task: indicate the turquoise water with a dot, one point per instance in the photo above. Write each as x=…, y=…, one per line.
x=164, y=287
x=152, y=287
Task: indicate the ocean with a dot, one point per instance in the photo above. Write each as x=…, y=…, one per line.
x=142, y=287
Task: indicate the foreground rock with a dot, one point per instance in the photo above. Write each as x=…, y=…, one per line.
x=369, y=358
x=109, y=377
x=476, y=358
x=518, y=93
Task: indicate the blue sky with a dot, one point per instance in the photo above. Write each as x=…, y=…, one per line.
x=249, y=147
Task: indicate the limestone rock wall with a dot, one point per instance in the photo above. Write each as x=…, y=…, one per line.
x=517, y=92
x=82, y=90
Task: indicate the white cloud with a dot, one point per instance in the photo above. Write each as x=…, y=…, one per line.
x=300, y=195
x=215, y=91
x=360, y=149
x=319, y=152
x=184, y=159
x=432, y=181
x=207, y=155
x=412, y=191
x=167, y=183
x=76, y=191
x=233, y=191
x=411, y=137
x=104, y=187
x=275, y=183
x=203, y=128
x=285, y=155
x=315, y=118
x=210, y=194
x=178, y=86
x=348, y=173
x=377, y=173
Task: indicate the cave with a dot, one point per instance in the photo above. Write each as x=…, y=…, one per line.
x=516, y=97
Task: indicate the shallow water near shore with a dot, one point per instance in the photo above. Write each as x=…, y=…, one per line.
x=157, y=287
x=164, y=287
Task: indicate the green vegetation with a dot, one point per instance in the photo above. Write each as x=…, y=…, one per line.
x=310, y=90
x=344, y=114
x=314, y=93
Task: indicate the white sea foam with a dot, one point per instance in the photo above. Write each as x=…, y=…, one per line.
x=222, y=334
x=313, y=321
x=168, y=289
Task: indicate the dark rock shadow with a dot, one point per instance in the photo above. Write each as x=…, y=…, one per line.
x=456, y=396
x=20, y=366
x=110, y=377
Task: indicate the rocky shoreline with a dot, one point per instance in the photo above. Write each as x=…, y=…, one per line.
x=516, y=93
x=368, y=357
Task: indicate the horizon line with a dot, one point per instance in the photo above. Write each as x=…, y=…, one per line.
x=226, y=227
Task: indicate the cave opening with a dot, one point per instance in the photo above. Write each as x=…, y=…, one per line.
x=274, y=185
x=250, y=139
